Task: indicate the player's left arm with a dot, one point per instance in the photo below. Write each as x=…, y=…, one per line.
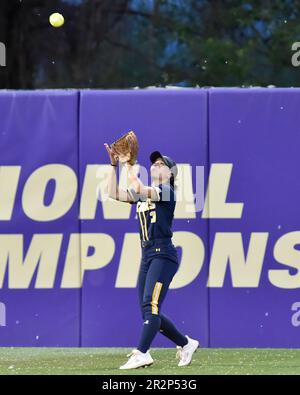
x=138, y=186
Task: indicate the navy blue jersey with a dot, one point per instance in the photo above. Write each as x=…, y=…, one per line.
x=155, y=217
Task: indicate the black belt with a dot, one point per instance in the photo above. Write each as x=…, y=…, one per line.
x=149, y=243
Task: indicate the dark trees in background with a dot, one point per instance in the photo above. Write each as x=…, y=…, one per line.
x=127, y=43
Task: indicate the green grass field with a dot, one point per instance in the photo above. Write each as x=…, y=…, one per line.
x=106, y=361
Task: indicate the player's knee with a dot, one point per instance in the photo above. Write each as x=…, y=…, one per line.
x=150, y=308
x=153, y=319
x=143, y=314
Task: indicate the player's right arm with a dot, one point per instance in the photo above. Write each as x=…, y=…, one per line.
x=114, y=191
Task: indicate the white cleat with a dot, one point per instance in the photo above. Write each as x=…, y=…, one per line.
x=137, y=359
x=185, y=353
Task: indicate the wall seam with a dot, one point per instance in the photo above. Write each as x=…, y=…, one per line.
x=79, y=220
x=208, y=220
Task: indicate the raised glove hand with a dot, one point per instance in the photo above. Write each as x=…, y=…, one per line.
x=126, y=148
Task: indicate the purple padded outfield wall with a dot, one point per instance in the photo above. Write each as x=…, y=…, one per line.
x=38, y=142
x=69, y=262
x=257, y=131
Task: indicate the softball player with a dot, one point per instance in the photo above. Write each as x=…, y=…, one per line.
x=155, y=207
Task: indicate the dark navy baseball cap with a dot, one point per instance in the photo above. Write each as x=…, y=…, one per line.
x=167, y=160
